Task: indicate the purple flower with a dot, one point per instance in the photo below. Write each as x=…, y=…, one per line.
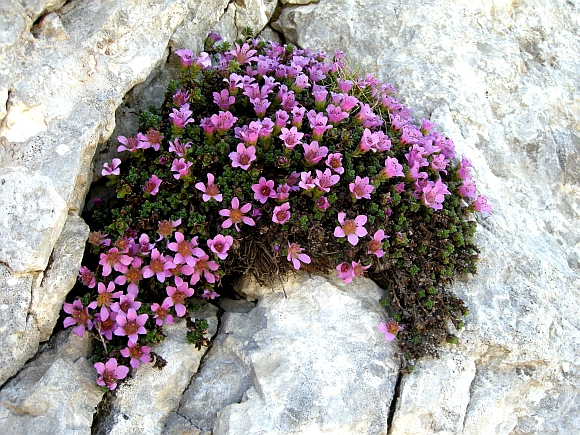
x=186, y=57
x=375, y=246
x=176, y=296
x=358, y=269
x=79, y=316
x=180, y=98
x=130, y=144
x=152, y=186
x=361, y=188
x=281, y=213
x=390, y=329
x=111, y=170
x=235, y=215
x=325, y=180
x=295, y=255
x=297, y=116
x=334, y=161
x=481, y=204
x=220, y=245
x=468, y=189
x=351, y=229
x=209, y=294
x=223, y=121
x=105, y=299
x=138, y=354
x=202, y=265
x=211, y=191
x=109, y=373
x=263, y=190
x=131, y=324
x=243, y=156
x=392, y=168
x=151, y=140
x=322, y=203
x=345, y=272
x=282, y=192
x=160, y=266
x=114, y=259
x=344, y=85
x=318, y=124
x=260, y=106
x=433, y=194
x=185, y=249
x=126, y=302
x=314, y=153
x=306, y=181
x=281, y=118
x=180, y=118
x=87, y=277
x=178, y=148
x=223, y=99
x=335, y=114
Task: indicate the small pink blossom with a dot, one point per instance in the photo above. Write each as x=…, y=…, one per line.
x=87, y=277
x=291, y=137
x=375, y=246
x=361, y=188
x=181, y=167
x=180, y=118
x=111, y=170
x=151, y=140
x=79, y=316
x=334, y=162
x=433, y=194
x=130, y=144
x=209, y=294
x=176, y=296
x=351, y=229
x=203, y=265
x=318, y=124
x=392, y=168
x=223, y=121
x=358, y=269
x=162, y=314
x=281, y=213
x=390, y=329
x=281, y=118
x=166, y=228
x=325, y=180
x=109, y=373
x=220, y=245
x=306, y=181
x=114, y=259
x=211, y=191
x=105, y=299
x=223, y=99
x=235, y=215
x=335, y=114
x=138, y=354
x=152, y=186
x=282, y=192
x=160, y=266
x=263, y=190
x=97, y=238
x=186, y=57
x=179, y=148
x=295, y=255
x=243, y=156
x=481, y=204
x=106, y=327
x=184, y=249
x=322, y=203
x=314, y=153
x=131, y=324
x=345, y=272
x=126, y=302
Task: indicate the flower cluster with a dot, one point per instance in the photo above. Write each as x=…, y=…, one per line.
x=265, y=159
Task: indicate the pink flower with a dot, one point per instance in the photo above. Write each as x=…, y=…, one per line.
x=335, y=114
x=166, y=228
x=79, y=316
x=282, y=192
x=87, y=277
x=131, y=325
x=223, y=99
x=109, y=373
x=236, y=214
x=318, y=124
x=162, y=314
x=178, y=148
x=334, y=162
x=351, y=229
x=260, y=106
x=375, y=246
x=116, y=259
x=390, y=329
x=433, y=194
x=297, y=116
x=468, y=189
x=181, y=167
x=176, y=296
x=291, y=137
x=281, y=118
x=223, y=121
x=180, y=118
x=295, y=255
x=211, y=191
x=243, y=54
x=361, y=188
x=126, y=302
x=439, y=163
x=481, y=204
x=111, y=170
x=186, y=57
x=344, y=85
x=209, y=294
x=185, y=249
x=306, y=181
x=325, y=180
x=106, y=327
x=98, y=239
x=281, y=213
x=358, y=269
x=138, y=354
x=160, y=266
x=345, y=272
x=243, y=156
x=322, y=203
x=249, y=133
x=202, y=265
x=220, y=245
x=263, y=190
x=180, y=98
x=130, y=144
x=314, y=153
x=152, y=186
x=392, y=168
x=151, y=140
x=105, y=299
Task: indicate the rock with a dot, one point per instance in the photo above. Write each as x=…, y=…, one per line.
x=19, y=334
x=60, y=276
x=498, y=79
x=32, y=216
x=55, y=393
x=295, y=364
x=143, y=403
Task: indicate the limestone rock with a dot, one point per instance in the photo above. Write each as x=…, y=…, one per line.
x=143, y=403
x=313, y=362
x=32, y=215
x=60, y=276
x=55, y=393
x=499, y=79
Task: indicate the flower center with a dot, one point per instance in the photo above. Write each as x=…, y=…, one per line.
x=178, y=298
x=281, y=215
x=131, y=327
x=349, y=227
x=134, y=275
x=211, y=190
x=218, y=247
x=183, y=249
x=236, y=215
x=104, y=299
x=375, y=245
x=244, y=159
x=265, y=191
x=156, y=266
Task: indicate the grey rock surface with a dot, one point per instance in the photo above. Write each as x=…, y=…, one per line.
x=312, y=362
x=55, y=393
